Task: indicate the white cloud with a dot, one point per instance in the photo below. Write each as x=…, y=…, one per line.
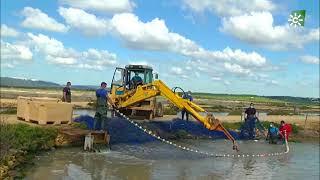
x=274, y=82
x=176, y=70
x=7, y=65
x=197, y=74
x=237, y=69
x=258, y=28
x=310, y=59
x=216, y=78
x=35, y=18
x=61, y=60
x=105, y=6
x=15, y=52
x=99, y=57
x=55, y=52
x=226, y=82
x=87, y=23
x=155, y=35
x=8, y=31
x=229, y=55
x=229, y=7
x=179, y=72
x=47, y=45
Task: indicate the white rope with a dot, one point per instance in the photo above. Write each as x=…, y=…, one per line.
x=202, y=152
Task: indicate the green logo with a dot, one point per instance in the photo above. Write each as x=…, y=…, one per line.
x=297, y=18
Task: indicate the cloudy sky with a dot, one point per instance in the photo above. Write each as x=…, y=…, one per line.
x=225, y=46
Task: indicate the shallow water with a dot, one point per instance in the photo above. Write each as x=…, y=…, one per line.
x=160, y=161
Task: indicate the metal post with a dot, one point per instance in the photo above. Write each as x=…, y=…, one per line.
x=305, y=124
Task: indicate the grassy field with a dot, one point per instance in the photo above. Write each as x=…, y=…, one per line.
x=234, y=104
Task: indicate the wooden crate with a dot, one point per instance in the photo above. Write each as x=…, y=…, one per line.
x=44, y=110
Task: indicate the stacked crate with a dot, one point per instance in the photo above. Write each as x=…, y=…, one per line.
x=44, y=110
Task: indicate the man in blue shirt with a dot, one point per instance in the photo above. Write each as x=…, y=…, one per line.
x=136, y=80
x=273, y=133
x=189, y=97
x=102, y=107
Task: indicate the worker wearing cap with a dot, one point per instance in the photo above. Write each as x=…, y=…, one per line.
x=184, y=112
x=102, y=107
x=66, y=97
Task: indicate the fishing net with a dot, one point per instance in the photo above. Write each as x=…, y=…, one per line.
x=122, y=131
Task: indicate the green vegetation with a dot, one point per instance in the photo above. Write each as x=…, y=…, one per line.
x=304, y=107
x=235, y=112
x=19, y=143
x=233, y=126
x=9, y=111
x=281, y=112
x=297, y=100
x=170, y=110
x=279, y=101
x=79, y=125
x=218, y=108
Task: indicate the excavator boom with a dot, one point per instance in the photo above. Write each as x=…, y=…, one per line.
x=156, y=88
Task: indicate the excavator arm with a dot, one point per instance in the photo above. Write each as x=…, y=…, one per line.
x=159, y=88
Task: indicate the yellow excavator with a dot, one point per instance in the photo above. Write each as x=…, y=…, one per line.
x=131, y=98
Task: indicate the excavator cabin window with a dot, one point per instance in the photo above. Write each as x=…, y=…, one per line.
x=138, y=77
x=118, y=80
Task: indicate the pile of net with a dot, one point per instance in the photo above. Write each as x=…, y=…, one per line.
x=122, y=131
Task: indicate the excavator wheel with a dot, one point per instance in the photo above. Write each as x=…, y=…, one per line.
x=159, y=109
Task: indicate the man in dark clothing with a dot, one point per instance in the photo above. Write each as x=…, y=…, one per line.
x=250, y=117
x=189, y=97
x=102, y=107
x=250, y=112
x=67, y=93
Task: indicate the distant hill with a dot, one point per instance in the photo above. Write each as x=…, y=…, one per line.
x=31, y=83
x=19, y=82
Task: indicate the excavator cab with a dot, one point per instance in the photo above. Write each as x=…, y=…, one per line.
x=122, y=80
x=123, y=85
x=143, y=72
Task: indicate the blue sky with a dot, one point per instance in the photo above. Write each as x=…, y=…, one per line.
x=226, y=46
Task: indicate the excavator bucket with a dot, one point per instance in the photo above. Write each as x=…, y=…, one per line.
x=215, y=124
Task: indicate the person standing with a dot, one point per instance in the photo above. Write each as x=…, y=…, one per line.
x=184, y=112
x=250, y=118
x=66, y=97
x=100, y=116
